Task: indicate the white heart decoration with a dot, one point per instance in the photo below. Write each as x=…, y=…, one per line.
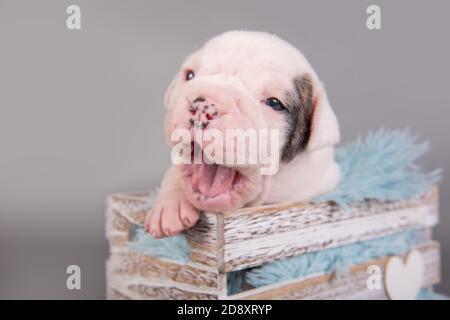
x=404, y=280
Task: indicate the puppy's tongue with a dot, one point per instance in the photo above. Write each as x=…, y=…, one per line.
x=212, y=179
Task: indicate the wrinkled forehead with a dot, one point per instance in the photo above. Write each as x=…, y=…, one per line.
x=248, y=54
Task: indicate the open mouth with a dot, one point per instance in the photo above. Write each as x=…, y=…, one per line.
x=216, y=187
x=210, y=180
x=213, y=180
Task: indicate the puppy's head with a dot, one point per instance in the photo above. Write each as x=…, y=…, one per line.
x=246, y=80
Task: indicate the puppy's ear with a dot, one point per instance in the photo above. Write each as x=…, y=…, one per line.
x=312, y=122
x=299, y=107
x=324, y=124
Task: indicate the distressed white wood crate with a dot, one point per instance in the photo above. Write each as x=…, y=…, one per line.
x=249, y=237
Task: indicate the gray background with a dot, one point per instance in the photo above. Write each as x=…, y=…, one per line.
x=81, y=111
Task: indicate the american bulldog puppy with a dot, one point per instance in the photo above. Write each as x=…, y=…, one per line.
x=245, y=80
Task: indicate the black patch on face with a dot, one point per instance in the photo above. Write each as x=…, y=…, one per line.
x=299, y=111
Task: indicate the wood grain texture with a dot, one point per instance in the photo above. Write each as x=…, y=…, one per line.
x=143, y=288
x=206, y=240
x=351, y=285
x=128, y=206
x=259, y=235
x=144, y=292
x=140, y=265
x=113, y=294
x=139, y=291
x=251, y=236
x=221, y=243
x=123, y=212
x=132, y=275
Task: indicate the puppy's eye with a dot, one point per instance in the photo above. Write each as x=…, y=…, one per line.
x=189, y=75
x=275, y=104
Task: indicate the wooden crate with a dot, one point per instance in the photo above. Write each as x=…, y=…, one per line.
x=249, y=237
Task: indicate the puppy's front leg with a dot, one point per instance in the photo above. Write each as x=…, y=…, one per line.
x=171, y=213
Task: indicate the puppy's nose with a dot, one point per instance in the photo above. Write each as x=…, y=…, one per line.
x=203, y=111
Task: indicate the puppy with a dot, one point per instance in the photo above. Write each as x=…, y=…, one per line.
x=246, y=80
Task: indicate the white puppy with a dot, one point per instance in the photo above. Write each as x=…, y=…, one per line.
x=246, y=80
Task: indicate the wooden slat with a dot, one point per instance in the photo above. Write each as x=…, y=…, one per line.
x=139, y=291
x=132, y=207
x=113, y=294
x=141, y=265
x=143, y=288
x=206, y=240
x=351, y=285
x=259, y=235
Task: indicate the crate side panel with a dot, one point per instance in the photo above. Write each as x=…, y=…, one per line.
x=251, y=239
x=351, y=285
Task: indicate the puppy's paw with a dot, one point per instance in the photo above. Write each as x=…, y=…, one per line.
x=169, y=216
